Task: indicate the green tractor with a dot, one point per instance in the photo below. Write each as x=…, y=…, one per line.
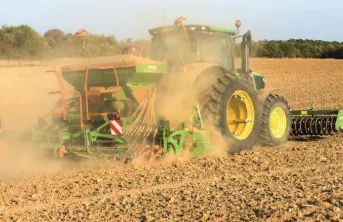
x=129, y=107
x=233, y=98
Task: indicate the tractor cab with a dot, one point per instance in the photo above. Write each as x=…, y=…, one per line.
x=196, y=43
x=180, y=44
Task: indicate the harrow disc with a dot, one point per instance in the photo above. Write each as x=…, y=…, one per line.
x=313, y=125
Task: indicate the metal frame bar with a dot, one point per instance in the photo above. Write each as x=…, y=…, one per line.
x=63, y=98
x=80, y=106
x=314, y=112
x=118, y=93
x=86, y=93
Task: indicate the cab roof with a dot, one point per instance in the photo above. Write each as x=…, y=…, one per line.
x=174, y=28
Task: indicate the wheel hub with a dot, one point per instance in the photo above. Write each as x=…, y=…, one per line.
x=278, y=122
x=240, y=114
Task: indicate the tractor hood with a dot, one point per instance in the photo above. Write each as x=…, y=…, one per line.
x=259, y=80
x=254, y=73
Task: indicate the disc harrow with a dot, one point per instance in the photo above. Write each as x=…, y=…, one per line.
x=313, y=126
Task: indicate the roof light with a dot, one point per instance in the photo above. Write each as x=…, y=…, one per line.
x=192, y=28
x=81, y=33
x=179, y=21
x=238, y=23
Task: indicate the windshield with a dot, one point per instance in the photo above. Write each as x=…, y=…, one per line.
x=169, y=47
x=216, y=48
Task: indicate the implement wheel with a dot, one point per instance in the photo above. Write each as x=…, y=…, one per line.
x=233, y=106
x=276, y=121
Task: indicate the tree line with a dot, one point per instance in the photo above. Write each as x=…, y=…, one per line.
x=22, y=42
x=298, y=48
x=18, y=42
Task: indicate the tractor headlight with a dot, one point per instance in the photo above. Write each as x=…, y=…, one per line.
x=193, y=28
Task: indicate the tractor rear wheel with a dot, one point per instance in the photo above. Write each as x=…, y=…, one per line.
x=276, y=121
x=233, y=106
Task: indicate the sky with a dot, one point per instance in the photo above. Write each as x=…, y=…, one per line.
x=267, y=19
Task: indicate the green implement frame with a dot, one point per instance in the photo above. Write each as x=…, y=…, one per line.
x=313, y=122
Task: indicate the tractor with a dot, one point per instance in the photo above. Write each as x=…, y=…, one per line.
x=233, y=99
x=129, y=107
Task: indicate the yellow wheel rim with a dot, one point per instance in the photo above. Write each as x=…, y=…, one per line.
x=278, y=122
x=240, y=114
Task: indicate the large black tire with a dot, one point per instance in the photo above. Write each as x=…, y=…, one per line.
x=204, y=82
x=279, y=133
x=215, y=110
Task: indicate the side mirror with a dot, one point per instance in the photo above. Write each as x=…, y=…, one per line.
x=245, y=46
x=247, y=40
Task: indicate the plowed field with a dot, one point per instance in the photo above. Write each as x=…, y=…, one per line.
x=302, y=180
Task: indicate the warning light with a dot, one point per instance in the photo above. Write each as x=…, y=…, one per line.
x=179, y=21
x=81, y=33
x=238, y=23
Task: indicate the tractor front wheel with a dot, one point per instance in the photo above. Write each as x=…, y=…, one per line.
x=276, y=121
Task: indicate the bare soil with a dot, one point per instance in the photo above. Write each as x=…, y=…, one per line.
x=301, y=180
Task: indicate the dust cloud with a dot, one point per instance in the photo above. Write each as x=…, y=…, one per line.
x=175, y=103
x=26, y=159
x=24, y=97
x=21, y=160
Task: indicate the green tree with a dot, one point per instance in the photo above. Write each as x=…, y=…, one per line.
x=54, y=37
x=288, y=49
x=23, y=38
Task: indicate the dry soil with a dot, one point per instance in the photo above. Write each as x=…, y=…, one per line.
x=301, y=180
